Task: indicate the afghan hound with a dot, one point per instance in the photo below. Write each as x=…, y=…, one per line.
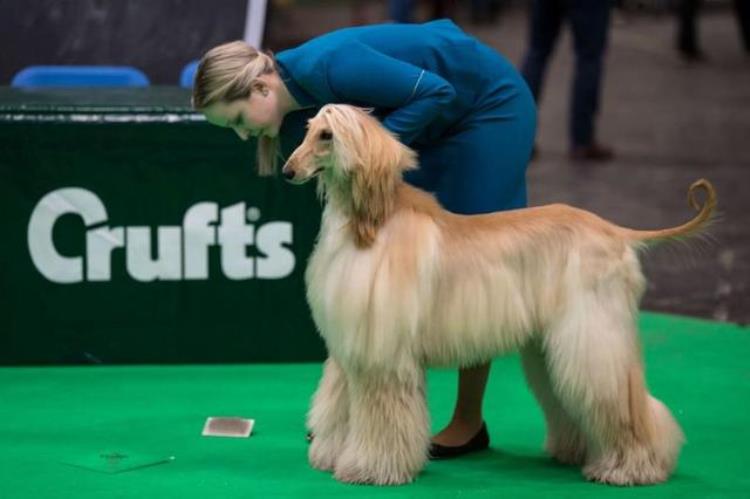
x=396, y=283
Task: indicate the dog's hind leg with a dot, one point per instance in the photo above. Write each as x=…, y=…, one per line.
x=328, y=418
x=596, y=371
x=389, y=428
x=564, y=441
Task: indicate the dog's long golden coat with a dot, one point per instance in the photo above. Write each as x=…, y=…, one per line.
x=396, y=283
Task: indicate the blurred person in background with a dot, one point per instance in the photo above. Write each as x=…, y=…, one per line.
x=462, y=106
x=485, y=11
x=589, y=22
x=687, y=33
x=402, y=11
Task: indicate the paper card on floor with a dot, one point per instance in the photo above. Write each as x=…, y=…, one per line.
x=228, y=427
x=117, y=461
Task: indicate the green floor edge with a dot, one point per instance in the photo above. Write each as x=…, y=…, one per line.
x=52, y=415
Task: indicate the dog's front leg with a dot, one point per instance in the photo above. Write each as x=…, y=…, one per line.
x=328, y=418
x=388, y=427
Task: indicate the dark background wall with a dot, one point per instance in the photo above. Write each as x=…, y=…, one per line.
x=158, y=37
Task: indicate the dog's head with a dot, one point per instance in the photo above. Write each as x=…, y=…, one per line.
x=344, y=141
x=359, y=163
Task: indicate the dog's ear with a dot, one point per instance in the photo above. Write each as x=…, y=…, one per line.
x=375, y=160
x=372, y=201
x=385, y=143
x=381, y=159
x=407, y=158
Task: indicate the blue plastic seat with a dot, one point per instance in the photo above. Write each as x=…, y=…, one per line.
x=187, y=76
x=80, y=76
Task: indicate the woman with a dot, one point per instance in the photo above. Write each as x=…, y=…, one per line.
x=458, y=103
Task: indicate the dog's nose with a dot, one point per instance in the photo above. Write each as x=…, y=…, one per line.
x=287, y=172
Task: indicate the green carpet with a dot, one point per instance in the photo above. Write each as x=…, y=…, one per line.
x=52, y=415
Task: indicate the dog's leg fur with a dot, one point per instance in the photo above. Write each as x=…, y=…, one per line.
x=328, y=418
x=564, y=441
x=594, y=363
x=389, y=428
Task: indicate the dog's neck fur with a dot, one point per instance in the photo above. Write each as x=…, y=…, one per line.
x=369, y=208
x=365, y=211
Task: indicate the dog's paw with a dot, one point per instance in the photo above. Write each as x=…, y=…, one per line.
x=354, y=474
x=352, y=469
x=624, y=475
x=322, y=455
x=632, y=465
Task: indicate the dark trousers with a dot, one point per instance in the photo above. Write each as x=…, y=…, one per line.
x=687, y=11
x=401, y=11
x=742, y=9
x=589, y=22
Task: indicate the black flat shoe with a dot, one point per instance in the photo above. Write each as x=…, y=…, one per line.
x=478, y=442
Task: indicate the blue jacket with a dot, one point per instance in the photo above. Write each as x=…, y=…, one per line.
x=420, y=78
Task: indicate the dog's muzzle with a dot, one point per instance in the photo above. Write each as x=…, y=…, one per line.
x=291, y=175
x=287, y=172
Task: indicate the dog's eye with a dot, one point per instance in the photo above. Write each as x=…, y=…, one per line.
x=326, y=135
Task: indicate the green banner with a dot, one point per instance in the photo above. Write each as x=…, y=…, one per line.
x=134, y=232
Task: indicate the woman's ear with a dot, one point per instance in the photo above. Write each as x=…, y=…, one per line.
x=259, y=86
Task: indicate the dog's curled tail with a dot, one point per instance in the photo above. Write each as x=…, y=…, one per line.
x=705, y=214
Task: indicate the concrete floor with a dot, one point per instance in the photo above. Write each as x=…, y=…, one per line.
x=670, y=123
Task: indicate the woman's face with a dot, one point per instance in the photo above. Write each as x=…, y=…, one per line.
x=255, y=116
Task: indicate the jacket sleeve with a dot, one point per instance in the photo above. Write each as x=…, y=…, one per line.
x=358, y=74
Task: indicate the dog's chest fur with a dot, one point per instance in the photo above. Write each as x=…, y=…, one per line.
x=367, y=302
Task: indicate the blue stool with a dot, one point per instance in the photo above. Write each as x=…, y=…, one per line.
x=80, y=76
x=187, y=76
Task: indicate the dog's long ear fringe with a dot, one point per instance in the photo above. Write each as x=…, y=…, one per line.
x=373, y=166
x=375, y=160
x=373, y=197
x=373, y=180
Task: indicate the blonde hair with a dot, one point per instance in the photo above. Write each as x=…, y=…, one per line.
x=227, y=73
